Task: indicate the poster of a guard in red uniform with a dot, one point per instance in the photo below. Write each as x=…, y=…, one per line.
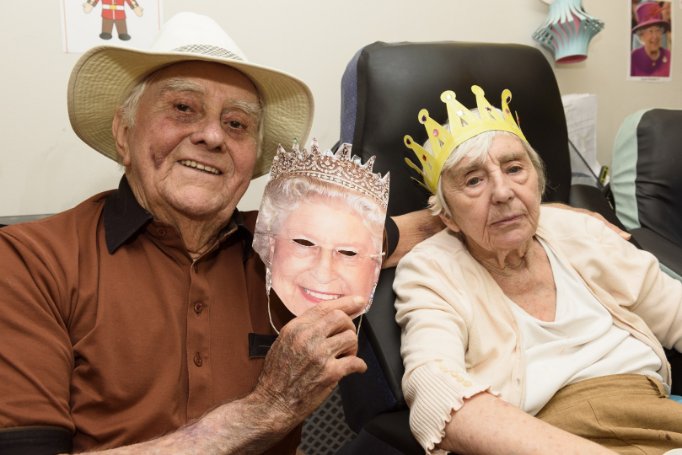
x=131, y=24
x=114, y=15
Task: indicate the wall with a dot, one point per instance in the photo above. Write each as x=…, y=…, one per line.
x=45, y=168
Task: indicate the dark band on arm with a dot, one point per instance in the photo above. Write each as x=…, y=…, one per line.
x=391, y=236
x=35, y=441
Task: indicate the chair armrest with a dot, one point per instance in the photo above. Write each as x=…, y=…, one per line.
x=668, y=253
x=385, y=434
x=675, y=359
x=591, y=198
x=394, y=427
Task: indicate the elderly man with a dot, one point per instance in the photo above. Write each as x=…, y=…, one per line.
x=138, y=320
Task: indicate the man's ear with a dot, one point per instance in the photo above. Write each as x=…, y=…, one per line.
x=119, y=130
x=449, y=222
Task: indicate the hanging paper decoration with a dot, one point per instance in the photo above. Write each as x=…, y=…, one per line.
x=568, y=31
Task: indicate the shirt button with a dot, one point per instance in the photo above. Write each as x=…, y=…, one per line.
x=198, y=361
x=198, y=307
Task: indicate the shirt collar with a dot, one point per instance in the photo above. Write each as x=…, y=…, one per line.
x=124, y=217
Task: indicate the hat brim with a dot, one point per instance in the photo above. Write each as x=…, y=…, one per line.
x=661, y=23
x=104, y=75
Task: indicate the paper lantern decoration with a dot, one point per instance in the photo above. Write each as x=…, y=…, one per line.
x=567, y=31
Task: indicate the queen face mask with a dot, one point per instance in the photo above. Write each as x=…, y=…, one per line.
x=320, y=227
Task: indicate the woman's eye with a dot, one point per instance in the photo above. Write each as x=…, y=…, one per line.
x=303, y=242
x=514, y=169
x=473, y=181
x=182, y=107
x=347, y=253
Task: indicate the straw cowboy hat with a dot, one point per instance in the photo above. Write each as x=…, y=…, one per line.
x=104, y=76
x=648, y=14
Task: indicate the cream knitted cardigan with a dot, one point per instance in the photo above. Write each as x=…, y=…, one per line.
x=459, y=336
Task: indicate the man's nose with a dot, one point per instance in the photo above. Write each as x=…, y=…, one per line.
x=211, y=134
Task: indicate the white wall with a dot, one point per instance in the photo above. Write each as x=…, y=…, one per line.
x=45, y=168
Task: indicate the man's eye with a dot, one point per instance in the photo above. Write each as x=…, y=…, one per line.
x=303, y=242
x=514, y=169
x=236, y=124
x=182, y=107
x=347, y=253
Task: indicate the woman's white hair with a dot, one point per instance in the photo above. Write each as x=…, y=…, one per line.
x=477, y=149
x=284, y=195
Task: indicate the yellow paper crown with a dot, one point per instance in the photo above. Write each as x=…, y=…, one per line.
x=464, y=125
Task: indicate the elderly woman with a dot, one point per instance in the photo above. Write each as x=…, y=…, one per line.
x=320, y=227
x=528, y=329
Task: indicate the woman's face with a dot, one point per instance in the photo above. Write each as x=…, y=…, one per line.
x=651, y=37
x=323, y=251
x=495, y=204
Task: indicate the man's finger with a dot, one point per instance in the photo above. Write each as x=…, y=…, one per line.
x=348, y=365
x=351, y=305
x=343, y=343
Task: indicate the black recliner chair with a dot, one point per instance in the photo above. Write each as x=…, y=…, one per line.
x=646, y=183
x=383, y=88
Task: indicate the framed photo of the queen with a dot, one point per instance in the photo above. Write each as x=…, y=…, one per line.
x=651, y=40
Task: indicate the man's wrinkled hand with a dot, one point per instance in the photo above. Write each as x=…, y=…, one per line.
x=312, y=353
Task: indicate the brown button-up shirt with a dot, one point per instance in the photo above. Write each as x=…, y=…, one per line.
x=109, y=329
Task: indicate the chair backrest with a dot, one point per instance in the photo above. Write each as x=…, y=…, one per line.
x=386, y=84
x=646, y=169
x=383, y=89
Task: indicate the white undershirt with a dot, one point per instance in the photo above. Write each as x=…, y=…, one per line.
x=582, y=342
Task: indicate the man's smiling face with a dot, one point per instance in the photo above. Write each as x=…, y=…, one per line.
x=192, y=147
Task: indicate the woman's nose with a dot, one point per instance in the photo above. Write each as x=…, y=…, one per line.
x=324, y=268
x=502, y=191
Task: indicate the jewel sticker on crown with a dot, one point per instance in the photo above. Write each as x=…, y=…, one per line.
x=320, y=226
x=462, y=125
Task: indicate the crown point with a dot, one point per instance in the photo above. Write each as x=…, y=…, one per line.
x=463, y=125
x=447, y=95
x=339, y=168
x=423, y=116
